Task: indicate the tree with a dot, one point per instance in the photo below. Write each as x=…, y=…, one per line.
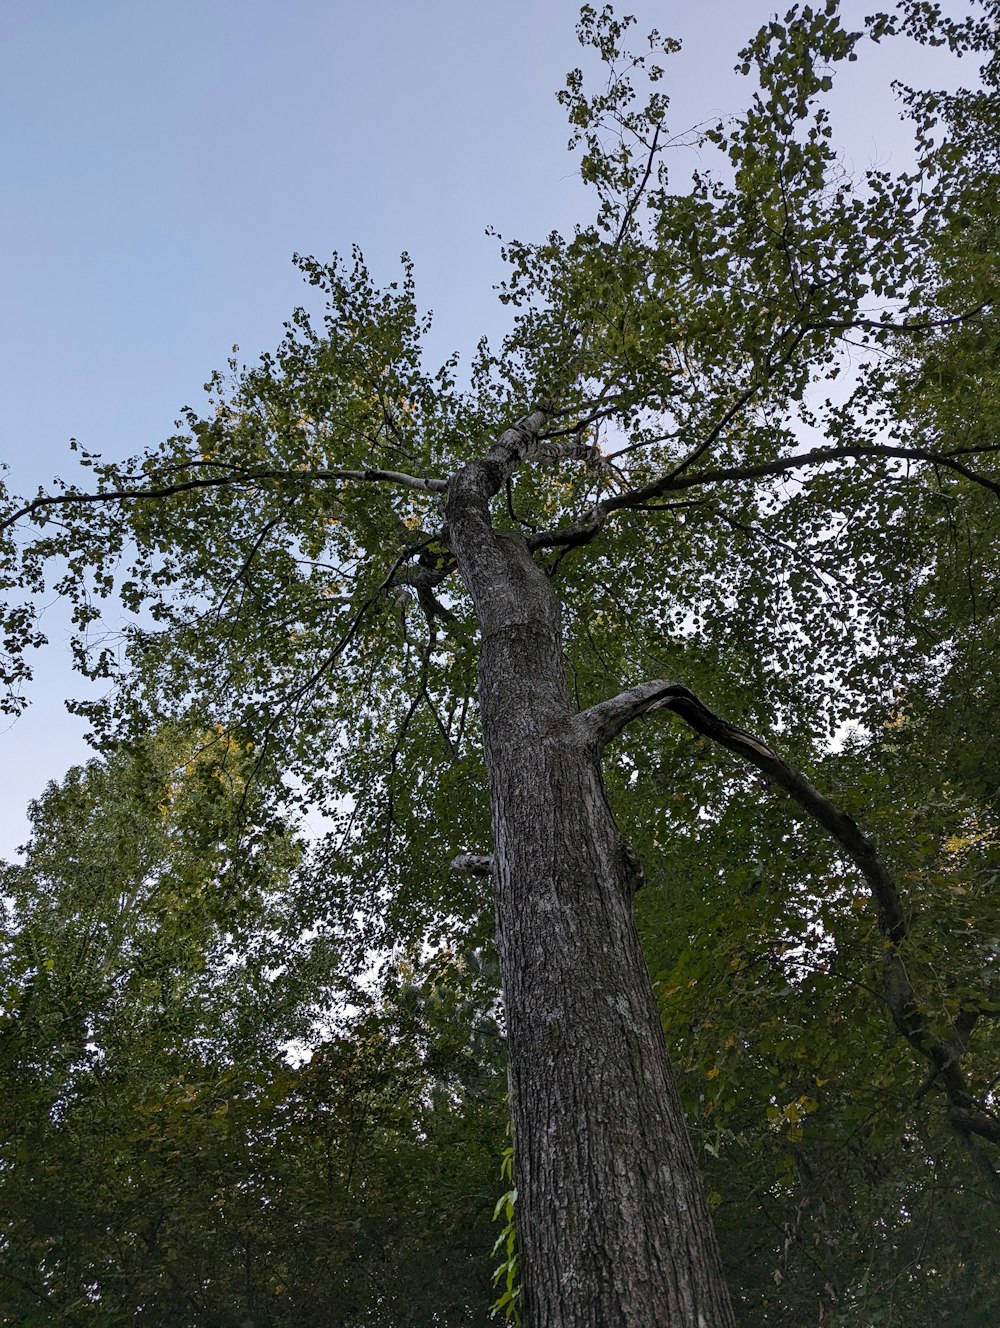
x=327, y=559
x=161, y=1157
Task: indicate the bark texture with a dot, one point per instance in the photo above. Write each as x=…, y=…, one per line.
x=613, y=1227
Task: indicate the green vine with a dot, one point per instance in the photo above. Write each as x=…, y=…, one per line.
x=506, y=1306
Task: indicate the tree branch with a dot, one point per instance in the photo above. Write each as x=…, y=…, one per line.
x=474, y=864
x=233, y=478
x=634, y=201
x=604, y=721
x=638, y=500
x=874, y=325
x=818, y=456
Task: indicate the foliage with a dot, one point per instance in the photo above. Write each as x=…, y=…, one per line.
x=769, y=470
x=505, y=1275
x=162, y=1156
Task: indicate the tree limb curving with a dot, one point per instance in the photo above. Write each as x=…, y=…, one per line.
x=604, y=721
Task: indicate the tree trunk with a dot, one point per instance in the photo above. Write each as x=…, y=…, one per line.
x=612, y=1223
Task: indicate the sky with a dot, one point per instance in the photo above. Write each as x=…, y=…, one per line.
x=161, y=162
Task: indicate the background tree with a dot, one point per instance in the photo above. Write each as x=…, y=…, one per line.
x=162, y=1156
x=682, y=503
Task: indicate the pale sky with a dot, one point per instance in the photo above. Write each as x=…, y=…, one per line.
x=161, y=161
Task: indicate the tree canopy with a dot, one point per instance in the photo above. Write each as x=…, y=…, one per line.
x=736, y=460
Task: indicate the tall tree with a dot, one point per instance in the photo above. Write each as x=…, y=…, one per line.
x=657, y=474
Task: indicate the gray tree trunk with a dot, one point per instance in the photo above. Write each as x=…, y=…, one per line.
x=613, y=1226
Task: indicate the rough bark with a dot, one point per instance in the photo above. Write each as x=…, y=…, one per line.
x=613, y=1226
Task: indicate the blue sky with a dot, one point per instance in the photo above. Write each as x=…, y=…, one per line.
x=162, y=159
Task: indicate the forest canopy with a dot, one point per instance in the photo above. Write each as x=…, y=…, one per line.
x=639, y=670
